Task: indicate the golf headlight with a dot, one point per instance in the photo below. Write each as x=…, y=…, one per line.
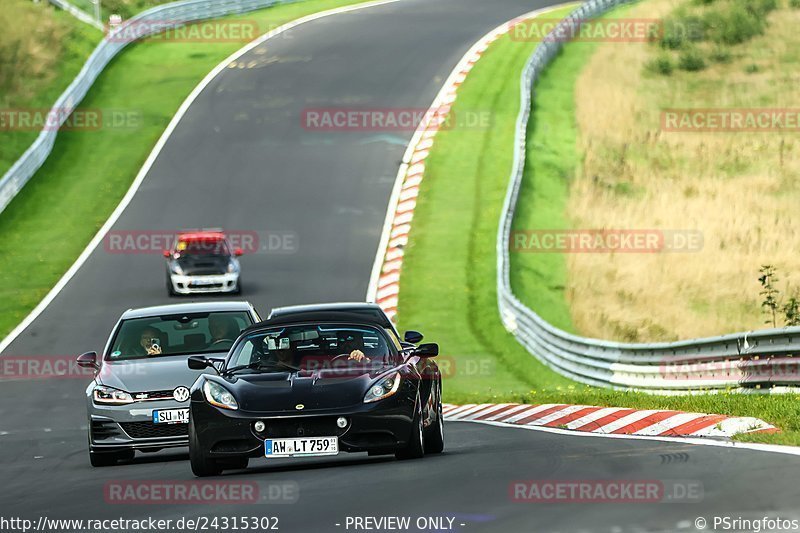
x=383, y=388
x=232, y=267
x=175, y=268
x=111, y=396
x=218, y=395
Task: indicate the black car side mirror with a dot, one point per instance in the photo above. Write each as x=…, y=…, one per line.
x=198, y=362
x=430, y=349
x=88, y=360
x=413, y=337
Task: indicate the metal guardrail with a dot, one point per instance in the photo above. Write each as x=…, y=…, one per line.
x=78, y=13
x=148, y=22
x=759, y=361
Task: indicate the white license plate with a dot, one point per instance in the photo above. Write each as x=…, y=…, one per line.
x=302, y=447
x=201, y=282
x=171, y=416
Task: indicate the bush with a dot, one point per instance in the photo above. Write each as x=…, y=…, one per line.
x=721, y=55
x=691, y=60
x=680, y=31
x=794, y=3
x=660, y=65
x=735, y=25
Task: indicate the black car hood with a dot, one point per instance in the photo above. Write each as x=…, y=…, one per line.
x=199, y=265
x=323, y=390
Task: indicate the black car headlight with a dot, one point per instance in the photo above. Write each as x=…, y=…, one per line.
x=175, y=268
x=233, y=267
x=218, y=395
x=383, y=388
x=111, y=396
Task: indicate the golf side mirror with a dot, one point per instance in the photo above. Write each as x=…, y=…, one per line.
x=88, y=360
x=198, y=362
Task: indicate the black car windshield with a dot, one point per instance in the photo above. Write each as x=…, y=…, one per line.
x=312, y=347
x=186, y=334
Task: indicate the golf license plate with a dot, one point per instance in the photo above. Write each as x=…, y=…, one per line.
x=301, y=447
x=171, y=416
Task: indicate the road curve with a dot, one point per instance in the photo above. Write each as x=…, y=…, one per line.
x=240, y=159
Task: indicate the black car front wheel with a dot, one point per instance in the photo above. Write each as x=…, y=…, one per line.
x=202, y=465
x=434, y=435
x=416, y=443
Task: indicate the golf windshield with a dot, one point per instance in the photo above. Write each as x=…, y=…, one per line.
x=313, y=347
x=188, y=334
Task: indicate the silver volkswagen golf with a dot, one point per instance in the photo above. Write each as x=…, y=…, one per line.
x=139, y=397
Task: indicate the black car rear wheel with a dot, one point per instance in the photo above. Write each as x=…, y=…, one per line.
x=202, y=466
x=434, y=435
x=416, y=444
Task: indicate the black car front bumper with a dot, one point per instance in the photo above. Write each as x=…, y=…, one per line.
x=381, y=427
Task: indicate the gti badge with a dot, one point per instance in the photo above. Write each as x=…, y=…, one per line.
x=299, y=406
x=181, y=394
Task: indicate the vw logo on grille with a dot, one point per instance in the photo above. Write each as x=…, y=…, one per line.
x=181, y=394
x=299, y=406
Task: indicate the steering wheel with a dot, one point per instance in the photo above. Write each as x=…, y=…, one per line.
x=222, y=341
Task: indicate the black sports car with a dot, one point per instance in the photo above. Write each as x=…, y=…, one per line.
x=317, y=380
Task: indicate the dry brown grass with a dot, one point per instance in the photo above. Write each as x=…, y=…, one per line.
x=742, y=190
x=31, y=41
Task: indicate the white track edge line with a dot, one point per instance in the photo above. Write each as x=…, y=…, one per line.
x=137, y=182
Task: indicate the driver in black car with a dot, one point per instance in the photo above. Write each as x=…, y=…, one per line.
x=223, y=331
x=352, y=343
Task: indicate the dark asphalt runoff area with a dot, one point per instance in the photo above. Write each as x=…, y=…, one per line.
x=241, y=159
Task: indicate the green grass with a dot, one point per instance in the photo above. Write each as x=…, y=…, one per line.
x=36, y=67
x=448, y=277
x=54, y=217
x=540, y=279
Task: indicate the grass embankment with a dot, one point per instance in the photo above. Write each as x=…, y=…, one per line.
x=448, y=278
x=42, y=49
x=739, y=189
x=48, y=224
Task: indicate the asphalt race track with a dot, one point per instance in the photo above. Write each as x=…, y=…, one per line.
x=240, y=159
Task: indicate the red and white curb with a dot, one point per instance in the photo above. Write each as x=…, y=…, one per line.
x=384, y=285
x=609, y=420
